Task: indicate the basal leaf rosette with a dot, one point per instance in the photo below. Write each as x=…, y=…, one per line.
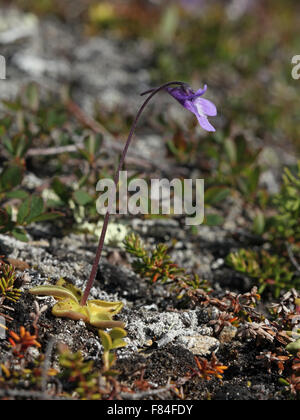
x=97, y=313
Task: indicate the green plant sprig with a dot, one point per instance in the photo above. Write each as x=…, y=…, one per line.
x=271, y=271
x=111, y=340
x=81, y=374
x=286, y=224
x=157, y=266
x=7, y=281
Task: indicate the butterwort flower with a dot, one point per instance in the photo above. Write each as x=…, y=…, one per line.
x=192, y=101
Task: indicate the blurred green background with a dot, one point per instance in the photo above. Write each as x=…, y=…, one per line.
x=241, y=48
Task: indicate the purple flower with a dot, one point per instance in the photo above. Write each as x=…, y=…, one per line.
x=192, y=101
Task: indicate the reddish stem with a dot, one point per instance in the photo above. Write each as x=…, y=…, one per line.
x=116, y=180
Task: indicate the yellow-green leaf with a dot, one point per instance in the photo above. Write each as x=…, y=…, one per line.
x=112, y=307
x=68, y=308
x=117, y=333
x=57, y=292
x=118, y=343
x=105, y=340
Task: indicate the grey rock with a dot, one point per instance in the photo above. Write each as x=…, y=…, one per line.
x=52, y=54
x=178, y=328
x=16, y=26
x=200, y=345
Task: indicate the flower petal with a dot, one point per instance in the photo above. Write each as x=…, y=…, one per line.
x=189, y=105
x=202, y=119
x=201, y=92
x=180, y=93
x=205, y=124
x=196, y=95
x=206, y=107
x=193, y=103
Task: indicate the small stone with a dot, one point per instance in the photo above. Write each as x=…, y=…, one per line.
x=217, y=264
x=186, y=318
x=214, y=313
x=152, y=307
x=205, y=330
x=200, y=345
x=33, y=353
x=227, y=334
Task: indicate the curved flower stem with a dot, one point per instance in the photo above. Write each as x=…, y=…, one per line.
x=93, y=274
